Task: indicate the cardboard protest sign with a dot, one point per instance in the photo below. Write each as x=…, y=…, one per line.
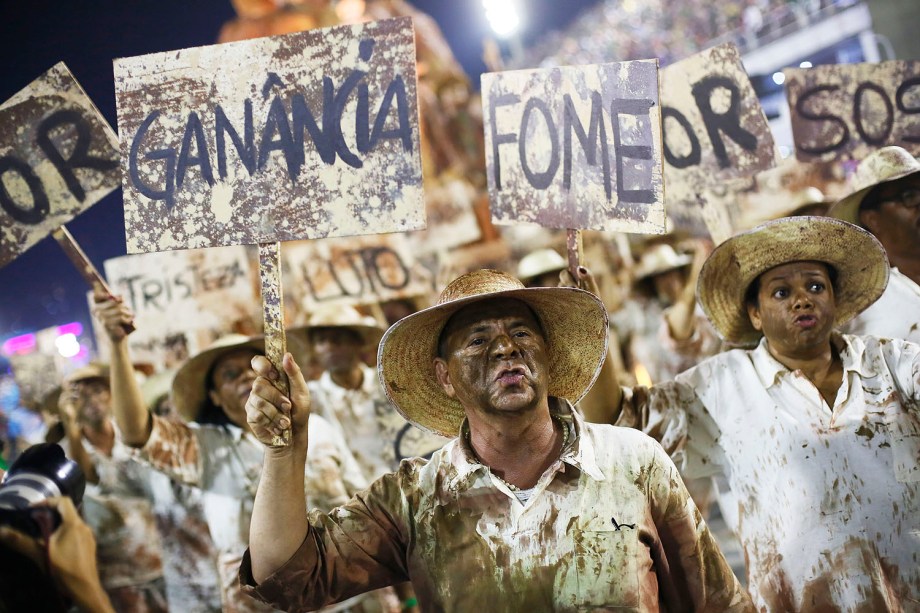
x=575, y=147
x=714, y=131
x=58, y=157
x=305, y=135
x=353, y=271
x=846, y=111
x=185, y=300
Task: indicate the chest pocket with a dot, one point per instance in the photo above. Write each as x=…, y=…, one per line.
x=602, y=573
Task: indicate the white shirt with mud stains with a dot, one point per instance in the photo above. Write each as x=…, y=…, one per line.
x=609, y=526
x=828, y=497
x=895, y=315
x=378, y=436
x=226, y=463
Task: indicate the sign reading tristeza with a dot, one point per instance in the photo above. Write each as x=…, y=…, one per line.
x=58, y=157
x=306, y=135
x=575, y=147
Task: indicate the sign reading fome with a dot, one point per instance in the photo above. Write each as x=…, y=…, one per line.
x=307, y=135
x=850, y=110
x=575, y=147
x=58, y=157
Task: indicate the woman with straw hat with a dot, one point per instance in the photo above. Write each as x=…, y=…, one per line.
x=528, y=508
x=817, y=432
x=886, y=202
x=216, y=451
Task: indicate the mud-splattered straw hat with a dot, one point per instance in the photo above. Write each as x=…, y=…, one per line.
x=341, y=316
x=574, y=323
x=856, y=255
x=886, y=164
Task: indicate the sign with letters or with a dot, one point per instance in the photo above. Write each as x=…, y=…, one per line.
x=575, y=147
x=305, y=135
x=847, y=111
x=355, y=270
x=58, y=157
x=184, y=300
x=714, y=131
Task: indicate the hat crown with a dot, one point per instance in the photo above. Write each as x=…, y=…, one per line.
x=338, y=316
x=478, y=282
x=886, y=163
x=540, y=262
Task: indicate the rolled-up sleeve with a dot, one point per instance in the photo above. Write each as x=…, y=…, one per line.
x=173, y=449
x=355, y=548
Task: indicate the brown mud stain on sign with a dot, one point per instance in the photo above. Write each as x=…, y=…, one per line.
x=194, y=295
x=58, y=157
x=575, y=147
x=299, y=136
x=846, y=111
x=714, y=129
x=357, y=270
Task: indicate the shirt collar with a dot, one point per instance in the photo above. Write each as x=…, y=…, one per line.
x=769, y=368
x=578, y=453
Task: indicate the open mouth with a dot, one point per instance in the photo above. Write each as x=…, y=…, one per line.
x=806, y=321
x=511, y=376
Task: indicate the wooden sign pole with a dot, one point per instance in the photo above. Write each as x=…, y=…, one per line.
x=574, y=247
x=86, y=269
x=273, y=312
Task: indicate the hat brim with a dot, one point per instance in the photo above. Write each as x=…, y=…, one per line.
x=856, y=255
x=189, y=387
x=370, y=335
x=574, y=322
x=847, y=208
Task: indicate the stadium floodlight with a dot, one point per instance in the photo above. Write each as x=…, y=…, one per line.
x=503, y=16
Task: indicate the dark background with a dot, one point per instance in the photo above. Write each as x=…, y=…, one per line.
x=41, y=288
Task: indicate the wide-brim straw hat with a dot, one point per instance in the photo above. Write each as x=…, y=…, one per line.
x=856, y=255
x=574, y=323
x=881, y=166
x=190, y=385
x=540, y=262
x=93, y=370
x=660, y=258
x=341, y=316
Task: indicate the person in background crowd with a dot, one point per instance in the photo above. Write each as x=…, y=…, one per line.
x=190, y=557
x=529, y=508
x=817, y=431
x=541, y=268
x=120, y=494
x=886, y=202
x=221, y=456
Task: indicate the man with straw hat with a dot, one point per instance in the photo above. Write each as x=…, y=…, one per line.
x=817, y=432
x=528, y=508
x=349, y=394
x=218, y=454
x=886, y=202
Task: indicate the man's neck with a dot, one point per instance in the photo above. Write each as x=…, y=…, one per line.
x=348, y=379
x=518, y=448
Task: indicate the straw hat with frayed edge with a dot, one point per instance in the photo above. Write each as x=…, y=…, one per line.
x=93, y=370
x=190, y=387
x=539, y=262
x=341, y=316
x=856, y=255
x=886, y=164
x=574, y=322
x=660, y=258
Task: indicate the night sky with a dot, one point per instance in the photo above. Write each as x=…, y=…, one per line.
x=41, y=288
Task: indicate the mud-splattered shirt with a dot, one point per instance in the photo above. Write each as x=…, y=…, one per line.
x=119, y=510
x=828, y=498
x=895, y=315
x=610, y=525
x=378, y=436
x=226, y=462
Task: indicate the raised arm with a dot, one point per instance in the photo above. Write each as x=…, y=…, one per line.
x=279, y=516
x=128, y=406
x=67, y=408
x=681, y=315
